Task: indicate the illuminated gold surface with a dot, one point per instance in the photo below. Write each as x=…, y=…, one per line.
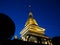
x=33, y=29
x=31, y=20
x=32, y=26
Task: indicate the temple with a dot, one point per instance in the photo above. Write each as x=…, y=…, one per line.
x=33, y=33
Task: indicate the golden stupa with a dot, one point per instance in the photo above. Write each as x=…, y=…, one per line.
x=32, y=32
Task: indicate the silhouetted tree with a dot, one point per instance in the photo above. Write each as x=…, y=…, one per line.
x=7, y=27
x=56, y=40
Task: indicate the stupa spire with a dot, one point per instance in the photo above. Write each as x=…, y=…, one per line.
x=31, y=20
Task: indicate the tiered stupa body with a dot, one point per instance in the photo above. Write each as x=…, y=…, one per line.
x=33, y=33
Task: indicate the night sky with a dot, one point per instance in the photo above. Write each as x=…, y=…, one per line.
x=46, y=13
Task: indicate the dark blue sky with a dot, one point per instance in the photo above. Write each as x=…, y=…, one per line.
x=46, y=13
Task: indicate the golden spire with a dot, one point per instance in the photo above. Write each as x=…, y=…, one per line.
x=30, y=13
x=32, y=26
x=31, y=20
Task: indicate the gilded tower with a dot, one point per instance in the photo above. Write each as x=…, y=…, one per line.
x=33, y=33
